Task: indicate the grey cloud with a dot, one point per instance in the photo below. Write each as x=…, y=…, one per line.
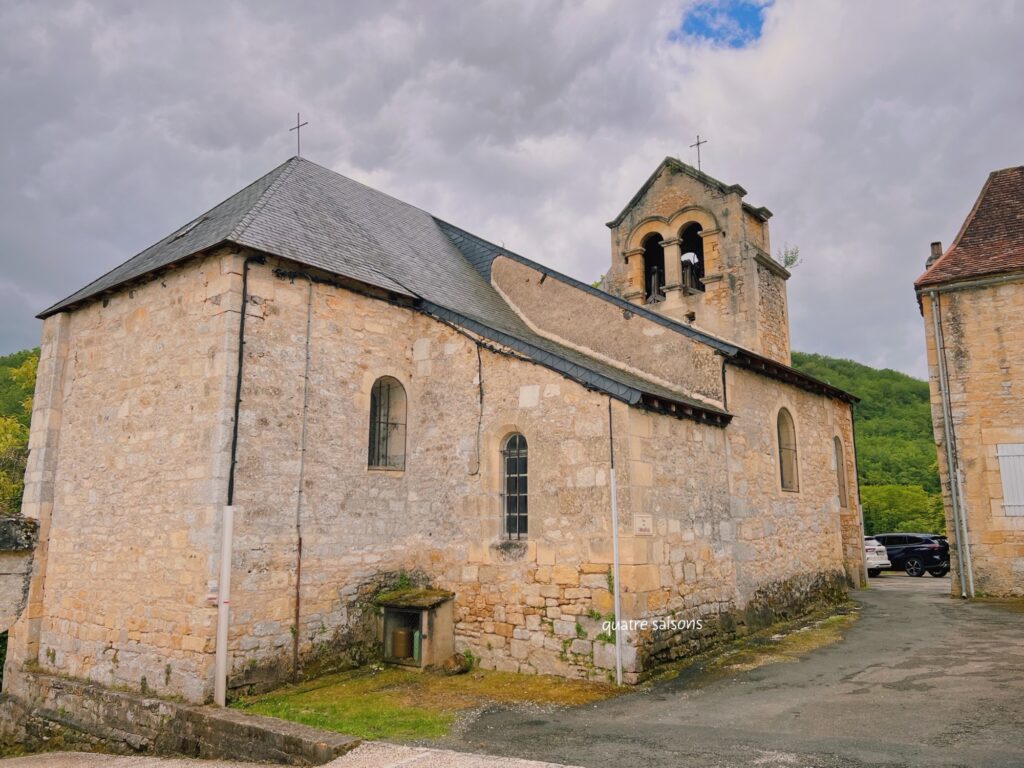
x=530, y=123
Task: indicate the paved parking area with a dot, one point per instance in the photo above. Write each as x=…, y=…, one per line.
x=921, y=679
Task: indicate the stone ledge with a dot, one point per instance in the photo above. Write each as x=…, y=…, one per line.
x=17, y=534
x=76, y=713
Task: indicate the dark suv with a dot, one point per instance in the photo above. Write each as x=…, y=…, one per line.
x=916, y=553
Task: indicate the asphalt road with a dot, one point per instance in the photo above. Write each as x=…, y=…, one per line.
x=919, y=680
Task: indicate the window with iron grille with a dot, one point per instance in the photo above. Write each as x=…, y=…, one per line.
x=1011, y=472
x=514, y=486
x=387, y=424
x=788, y=469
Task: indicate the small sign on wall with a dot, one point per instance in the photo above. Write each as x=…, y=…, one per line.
x=643, y=525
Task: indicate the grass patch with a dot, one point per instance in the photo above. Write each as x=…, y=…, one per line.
x=406, y=705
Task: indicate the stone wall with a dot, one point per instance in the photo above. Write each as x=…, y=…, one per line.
x=130, y=440
x=983, y=336
x=534, y=607
x=125, y=449
x=58, y=713
x=560, y=311
x=17, y=540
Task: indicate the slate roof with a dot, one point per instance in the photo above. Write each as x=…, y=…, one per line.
x=991, y=240
x=318, y=218
x=315, y=217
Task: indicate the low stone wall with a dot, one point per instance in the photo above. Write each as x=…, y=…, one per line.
x=17, y=540
x=62, y=713
x=778, y=601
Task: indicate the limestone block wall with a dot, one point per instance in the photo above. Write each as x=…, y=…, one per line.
x=781, y=534
x=439, y=519
x=120, y=592
x=534, y=607
x=578, y=319
x=983, y=337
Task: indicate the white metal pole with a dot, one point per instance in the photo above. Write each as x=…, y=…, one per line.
x=220, y=667
x=615, y=580
x=615, y=551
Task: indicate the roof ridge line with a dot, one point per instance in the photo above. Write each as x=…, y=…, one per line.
x=246, y=221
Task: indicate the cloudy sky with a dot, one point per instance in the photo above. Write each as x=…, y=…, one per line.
x=867, y=128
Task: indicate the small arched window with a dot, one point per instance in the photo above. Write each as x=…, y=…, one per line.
x=788, y=471
x=387, y=424
x=840, y=471
x=514, y=486
x=691, y=245
x=654, y=269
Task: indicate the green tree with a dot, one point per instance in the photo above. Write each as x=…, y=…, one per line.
x=17, y=383
x=896, y=459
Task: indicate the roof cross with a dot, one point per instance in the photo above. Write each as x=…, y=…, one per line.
x=697, y=145
x=298, y=134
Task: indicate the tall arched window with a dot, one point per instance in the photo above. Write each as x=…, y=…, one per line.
x=788, y=470
x=654, y=269
x=387, y=424
x=514, y=486
x=840, y=471
x=691, y=244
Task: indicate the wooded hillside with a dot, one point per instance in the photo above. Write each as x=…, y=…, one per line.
x=896, y=459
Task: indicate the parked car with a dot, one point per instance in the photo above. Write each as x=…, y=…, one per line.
x=916, y=553
x=875, y=556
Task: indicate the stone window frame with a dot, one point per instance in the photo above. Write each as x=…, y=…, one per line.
x=842, y=476
x=505, y=496
x=670, y=229
x=397, y=425
x=781, y=474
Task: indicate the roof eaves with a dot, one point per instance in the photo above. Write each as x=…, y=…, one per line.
x=781, y=372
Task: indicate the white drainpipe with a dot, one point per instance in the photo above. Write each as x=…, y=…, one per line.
x=220, y=665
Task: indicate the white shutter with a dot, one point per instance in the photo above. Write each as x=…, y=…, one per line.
x=1011, y=470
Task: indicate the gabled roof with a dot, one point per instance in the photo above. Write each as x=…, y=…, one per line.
x=679, y=166
x=991, y=240
x=315, y=217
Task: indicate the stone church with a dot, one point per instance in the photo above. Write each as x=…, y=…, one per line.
x=317, y=425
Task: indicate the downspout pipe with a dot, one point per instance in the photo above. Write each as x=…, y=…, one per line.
x=617, y=602
x=952, y=468
x=220, y=665
x=302, y=479
x=860, y=504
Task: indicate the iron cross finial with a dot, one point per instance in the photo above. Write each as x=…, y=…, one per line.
x=697, y=145
x=298, y=134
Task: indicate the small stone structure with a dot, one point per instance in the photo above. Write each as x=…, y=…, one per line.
x=972, y=301
x=134, y=431
x=17, y=540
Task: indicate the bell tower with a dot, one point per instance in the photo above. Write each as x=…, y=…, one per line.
x=688, y=246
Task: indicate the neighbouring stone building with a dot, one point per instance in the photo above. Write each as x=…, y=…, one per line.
x=402, y=404
x=972, y=300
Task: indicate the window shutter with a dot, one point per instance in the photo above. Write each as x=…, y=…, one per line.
x=1011, y=470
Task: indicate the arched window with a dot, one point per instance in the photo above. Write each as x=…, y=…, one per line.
x=514, y=486
x=840, y=471
x=654, y=269
x=387, y=424
x=691, y=244
x=788, y=471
